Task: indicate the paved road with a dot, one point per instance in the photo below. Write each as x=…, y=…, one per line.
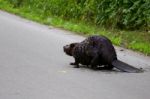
x=33, y=66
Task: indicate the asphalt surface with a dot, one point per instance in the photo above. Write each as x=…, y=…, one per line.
x=33, y=66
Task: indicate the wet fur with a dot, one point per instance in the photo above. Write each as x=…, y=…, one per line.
x=94, y=51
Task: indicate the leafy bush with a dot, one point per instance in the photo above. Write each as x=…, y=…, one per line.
x=123, y=14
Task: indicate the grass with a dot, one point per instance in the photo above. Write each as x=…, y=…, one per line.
x=135, y=40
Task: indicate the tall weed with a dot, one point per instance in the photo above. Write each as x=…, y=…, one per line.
x=122, y=14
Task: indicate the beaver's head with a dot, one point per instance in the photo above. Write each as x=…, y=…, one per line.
x=69, y=48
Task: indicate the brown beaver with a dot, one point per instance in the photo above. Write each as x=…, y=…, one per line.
x=94, y=51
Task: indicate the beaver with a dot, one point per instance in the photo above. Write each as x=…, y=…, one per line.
x=96, y=51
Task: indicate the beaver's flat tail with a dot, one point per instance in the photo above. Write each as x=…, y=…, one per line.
x=125, y=67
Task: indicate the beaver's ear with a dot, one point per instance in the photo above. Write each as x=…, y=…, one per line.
x=72, y=45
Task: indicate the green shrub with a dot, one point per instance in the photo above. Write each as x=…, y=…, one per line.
x=123, y=14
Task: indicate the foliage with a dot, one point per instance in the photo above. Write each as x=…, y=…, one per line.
x=123, y=14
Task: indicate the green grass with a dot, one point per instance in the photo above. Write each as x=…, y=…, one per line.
x=135, y=40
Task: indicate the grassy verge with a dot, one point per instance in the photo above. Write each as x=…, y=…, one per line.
x=135, y=40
